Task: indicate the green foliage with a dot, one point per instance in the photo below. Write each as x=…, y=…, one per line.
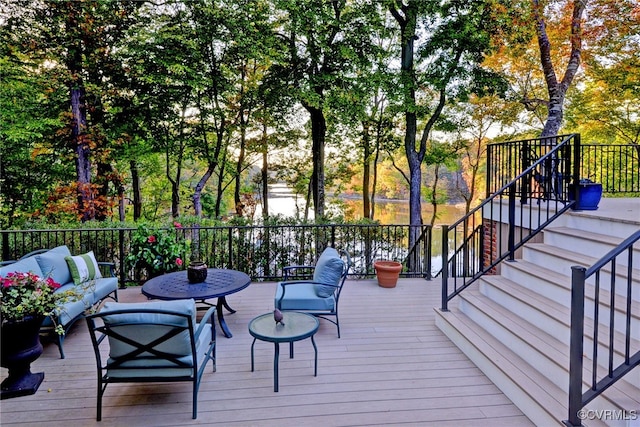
x=26, y=294
x=158, y=251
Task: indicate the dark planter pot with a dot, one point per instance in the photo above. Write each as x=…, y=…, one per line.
x=20, y=347
x=589, y=193
x=197, y=272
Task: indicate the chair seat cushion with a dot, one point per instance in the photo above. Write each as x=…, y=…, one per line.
x=302, y=296
x=328, y=270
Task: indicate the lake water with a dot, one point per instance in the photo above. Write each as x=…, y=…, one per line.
x=283, y=202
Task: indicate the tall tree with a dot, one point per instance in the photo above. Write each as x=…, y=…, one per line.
x=325, y=39
x=77, y=40
x=446, y=64
x=557, y=89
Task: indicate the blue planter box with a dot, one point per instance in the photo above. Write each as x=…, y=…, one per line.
x=590, y=194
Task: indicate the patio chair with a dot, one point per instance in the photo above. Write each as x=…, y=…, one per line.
x=320, y=295
x=152, y=342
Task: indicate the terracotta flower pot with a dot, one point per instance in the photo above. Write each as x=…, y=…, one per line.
x=388, y=273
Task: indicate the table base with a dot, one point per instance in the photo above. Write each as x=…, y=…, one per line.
x=276, y=359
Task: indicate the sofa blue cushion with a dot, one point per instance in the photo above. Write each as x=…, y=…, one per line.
x=23, y=266
x=303, y=295
x=102, y=287
x=69, y=311
x=53, y=265
x=128, y=326
x=328, y=270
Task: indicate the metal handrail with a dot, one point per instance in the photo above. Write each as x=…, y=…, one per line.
x=630, y=360
x=524, y=187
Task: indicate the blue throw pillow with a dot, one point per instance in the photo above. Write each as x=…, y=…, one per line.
x=328, y=270
x=53, y=264
x=27, y=265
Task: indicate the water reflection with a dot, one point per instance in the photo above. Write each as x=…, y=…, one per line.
x=397, y=211
x=283, y=202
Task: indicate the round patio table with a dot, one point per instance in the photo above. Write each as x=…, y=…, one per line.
x=297, y=326
x=218, y=284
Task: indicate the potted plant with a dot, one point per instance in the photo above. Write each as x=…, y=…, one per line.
x=157, y=251
x=197, y=269
x=387, y=273
x=25, y=300
x=589, y=194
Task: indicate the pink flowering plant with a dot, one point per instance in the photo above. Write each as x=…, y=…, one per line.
x=158, y=251
x=27, y=294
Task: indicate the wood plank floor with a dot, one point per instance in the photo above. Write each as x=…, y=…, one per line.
x=392, y=366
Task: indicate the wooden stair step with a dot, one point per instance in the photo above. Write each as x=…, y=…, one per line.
x=555, y=351
x=539, y=398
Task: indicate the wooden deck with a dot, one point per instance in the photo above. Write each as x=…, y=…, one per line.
x=392, y=366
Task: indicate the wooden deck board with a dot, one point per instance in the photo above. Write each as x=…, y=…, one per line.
x=392, y=366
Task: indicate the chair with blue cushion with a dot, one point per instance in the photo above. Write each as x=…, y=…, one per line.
x=320, y=295
x=152, y=342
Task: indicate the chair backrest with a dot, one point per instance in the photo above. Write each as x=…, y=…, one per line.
x=345, y=270
x=147, y=339
x=332, y=270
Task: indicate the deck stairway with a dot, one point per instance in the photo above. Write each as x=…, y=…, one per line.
x=515, y=326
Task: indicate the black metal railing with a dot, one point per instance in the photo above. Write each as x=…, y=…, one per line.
x=259, y=251
x=616, y=167
x=420, y=254
x=493, y=231
x=614, y=350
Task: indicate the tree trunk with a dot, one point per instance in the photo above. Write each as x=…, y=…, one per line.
x=79, y=127
x=265, y=184
x=318, y=134
x=558, y=90
x=135, y=188
x=197, y=192
x=366, y=172
x=236, y=193
x=434, y=194
x=80, y=142
x=374, y=183
x=408, y=24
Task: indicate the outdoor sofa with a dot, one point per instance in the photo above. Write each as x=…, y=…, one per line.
x=90, y=280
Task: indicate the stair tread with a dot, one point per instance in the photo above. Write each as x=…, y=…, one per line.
x=565, y=282
x=578, y=258
x=540, y=340
x=587, y=235
x=534, y=384
x=556, y=351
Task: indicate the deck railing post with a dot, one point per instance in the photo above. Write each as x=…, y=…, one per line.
x=427, y=252
x=576, y=345
x=577, y=168
x=445, y=267
x=512, y=221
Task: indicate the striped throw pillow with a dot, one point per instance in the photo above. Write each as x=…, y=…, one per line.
x=83, y=267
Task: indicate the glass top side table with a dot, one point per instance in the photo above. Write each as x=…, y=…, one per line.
x=297, y=327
